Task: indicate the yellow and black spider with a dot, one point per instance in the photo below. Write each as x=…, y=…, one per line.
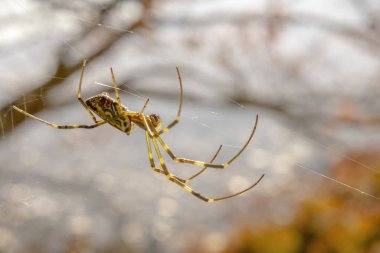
x=116, y=114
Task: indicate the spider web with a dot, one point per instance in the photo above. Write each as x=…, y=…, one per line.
x=213, y=114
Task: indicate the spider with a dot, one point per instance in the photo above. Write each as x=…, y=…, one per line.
x=113, y=112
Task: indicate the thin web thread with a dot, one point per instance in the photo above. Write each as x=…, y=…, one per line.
x=337, y=181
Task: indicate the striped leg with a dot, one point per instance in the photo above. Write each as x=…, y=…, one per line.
x=145, y=105
x=203, y=169
x=202, y=164
x=150, y=154
x=151, y=133
x=99, y=123
x=80, y=93
x=116, y=90
x=154, y=135
x=155, y=169
x=173, y=123
x=184, y=186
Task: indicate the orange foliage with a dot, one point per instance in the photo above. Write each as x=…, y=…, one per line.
x=334, y=220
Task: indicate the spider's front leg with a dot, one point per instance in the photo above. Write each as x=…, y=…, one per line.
x=79, y=96
x=174, y=122
x=97, y=122
x=152, y=131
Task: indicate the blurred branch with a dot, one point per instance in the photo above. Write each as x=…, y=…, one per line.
x=366, y=35
x=63, y=71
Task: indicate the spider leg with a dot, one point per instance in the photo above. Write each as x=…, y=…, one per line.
x=199, y=163
x=152, y=165
x=146, y=103
x=203, y=169
x=153, y=134
x=99, y=123
x=149, y=134
x=173, y=123
x=173, y=179
x=150, y=154
x=141, y=112
x=118, y=96
x=151, y=159
x=80, y=93
x=116, y=90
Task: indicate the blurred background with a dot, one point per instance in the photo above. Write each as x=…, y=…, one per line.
x=310, y=69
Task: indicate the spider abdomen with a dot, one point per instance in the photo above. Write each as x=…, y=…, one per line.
x=109, y=110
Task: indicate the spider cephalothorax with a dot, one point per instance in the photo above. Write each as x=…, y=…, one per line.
x=156, y=121
x=111, y=111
